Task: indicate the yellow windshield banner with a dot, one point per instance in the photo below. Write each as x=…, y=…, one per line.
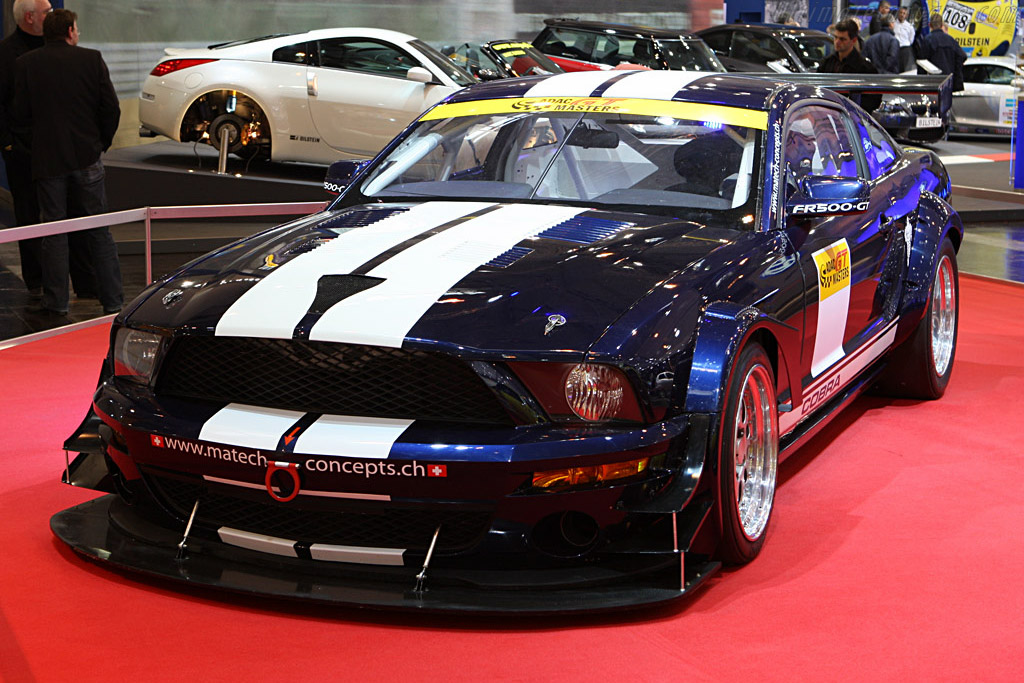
x=691, y=111
x=505, y=46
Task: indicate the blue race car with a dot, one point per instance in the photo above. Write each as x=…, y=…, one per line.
x=542, y=354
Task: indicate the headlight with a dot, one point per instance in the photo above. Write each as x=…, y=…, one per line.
x=594, y=392
x=136, y=353
x=570, y=392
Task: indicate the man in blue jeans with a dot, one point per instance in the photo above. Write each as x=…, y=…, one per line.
x=66, y=111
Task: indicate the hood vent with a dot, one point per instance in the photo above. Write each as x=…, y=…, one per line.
x=585, y=230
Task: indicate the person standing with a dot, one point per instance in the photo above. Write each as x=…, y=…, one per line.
x=67, y=112
x=904, y=32
x=944, y=52
x=846, y=59
x=883, y=49
x=27, y=35
x=883, y=11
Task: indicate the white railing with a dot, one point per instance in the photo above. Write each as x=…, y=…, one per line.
x=145, y=215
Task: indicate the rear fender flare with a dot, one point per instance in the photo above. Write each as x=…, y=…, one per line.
x=936, y=220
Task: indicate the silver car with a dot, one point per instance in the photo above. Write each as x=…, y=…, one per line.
x=986, y=104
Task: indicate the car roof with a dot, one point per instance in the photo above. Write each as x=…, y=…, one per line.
x=773, y=29
x=711, y=87
x=1006, y=61
x=272, y=42
x=645, y=31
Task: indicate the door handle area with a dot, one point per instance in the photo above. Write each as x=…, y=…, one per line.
x=311, y=88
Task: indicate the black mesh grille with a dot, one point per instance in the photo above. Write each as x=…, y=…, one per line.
x=323, y=377
x=394, y=527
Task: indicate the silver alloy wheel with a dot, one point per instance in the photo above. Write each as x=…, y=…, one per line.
x=943, y=312
x=755, y=451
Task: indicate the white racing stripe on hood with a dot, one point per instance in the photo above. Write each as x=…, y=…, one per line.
x=351, y=437
x=653, y=85
x=416, y=278
x=248, y=426
x=275, y=305
x=575, y=84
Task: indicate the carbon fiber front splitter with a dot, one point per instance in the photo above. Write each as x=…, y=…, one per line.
x=107, y=530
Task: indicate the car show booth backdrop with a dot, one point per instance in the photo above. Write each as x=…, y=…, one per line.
x=895, y=555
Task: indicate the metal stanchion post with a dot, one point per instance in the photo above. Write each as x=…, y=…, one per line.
x=222, y=159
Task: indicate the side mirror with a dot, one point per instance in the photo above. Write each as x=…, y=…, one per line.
x=419, y=74
x=487, y=74
x=1017, y=83
x=340, y=174
x=828, y=196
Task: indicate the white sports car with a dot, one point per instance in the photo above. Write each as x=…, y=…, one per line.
x=316, y=96
x=986, y=104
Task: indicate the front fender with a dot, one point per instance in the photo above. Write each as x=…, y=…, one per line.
x=723, y=330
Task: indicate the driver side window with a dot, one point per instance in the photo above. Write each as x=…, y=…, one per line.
x=366, y=56
x=817, y=142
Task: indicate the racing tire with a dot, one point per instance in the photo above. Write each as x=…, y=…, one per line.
x=921, y=367
x=748, y=456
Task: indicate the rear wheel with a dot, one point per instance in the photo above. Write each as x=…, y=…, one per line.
x=921, y=367
x=748, y=456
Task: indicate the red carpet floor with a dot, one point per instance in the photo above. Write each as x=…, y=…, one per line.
x=896, y=553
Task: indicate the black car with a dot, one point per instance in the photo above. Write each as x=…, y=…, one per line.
x=768, y=47
x=595, y=45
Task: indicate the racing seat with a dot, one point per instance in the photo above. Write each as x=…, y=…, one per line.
x=706, y=163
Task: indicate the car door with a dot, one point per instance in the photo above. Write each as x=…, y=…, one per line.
x=843, y=256
x=359, y=96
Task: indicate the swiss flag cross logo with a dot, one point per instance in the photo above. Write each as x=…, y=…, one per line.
x=437, y=470
x=156, y=440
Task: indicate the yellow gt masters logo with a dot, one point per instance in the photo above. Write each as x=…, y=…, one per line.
x=570, y=104
x=833, y=263
x=692, y=111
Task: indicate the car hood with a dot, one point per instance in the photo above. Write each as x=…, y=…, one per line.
x=468, y=277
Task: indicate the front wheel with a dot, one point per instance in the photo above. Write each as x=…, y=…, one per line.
x=921, y=367
x=749, y=454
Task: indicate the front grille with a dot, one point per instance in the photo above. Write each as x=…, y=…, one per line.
x=394, y=527
x=325, y=377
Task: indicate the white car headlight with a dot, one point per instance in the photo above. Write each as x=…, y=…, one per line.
x=136, y=353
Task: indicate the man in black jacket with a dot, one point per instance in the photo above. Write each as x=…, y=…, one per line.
x=66, y=109
x=846, y=59
x=943, y=51
x=882, y=48
x=28, y=35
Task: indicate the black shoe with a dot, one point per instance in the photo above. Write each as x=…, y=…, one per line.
x=45, y=312
x=35, y=293
x=111, y=311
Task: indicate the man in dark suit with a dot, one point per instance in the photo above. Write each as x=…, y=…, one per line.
x=943, y=51
x=66, y=109
x=27, y=35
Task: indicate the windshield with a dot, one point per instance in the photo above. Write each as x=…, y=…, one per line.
x=689, y=55
x=653, y=163
x=812, y=50
x=453, y=71
x=525, y=60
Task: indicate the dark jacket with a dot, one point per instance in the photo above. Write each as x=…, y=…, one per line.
x=943, y=51
x=65, y=107
x=11, y=47
x=853, y=64
x=883, y=49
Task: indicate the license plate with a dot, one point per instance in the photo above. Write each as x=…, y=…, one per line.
x=929, y=122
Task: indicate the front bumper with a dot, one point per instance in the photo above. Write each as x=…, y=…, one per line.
x=109, y=531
